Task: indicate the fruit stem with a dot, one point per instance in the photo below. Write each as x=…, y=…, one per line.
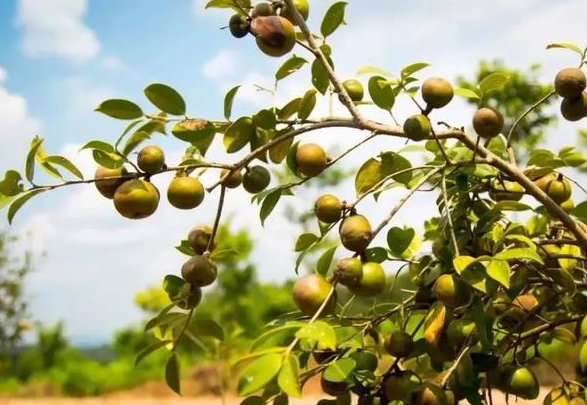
x=217, y=219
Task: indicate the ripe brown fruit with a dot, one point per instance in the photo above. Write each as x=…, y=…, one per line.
x=310, y=292
x=348, y=271
x=487, y=122
x=238, y=25
x=311, y=159
x=417, y=127
x=192, y=298
x=303, y=7
x=522, y=383
x=199, y=271
x=570, y=83
x=437, y=92
x=234, y=179
x=263, y=9
x=505, y=190
x=199, y=237
x=372, y=282
x=151, y=159
x=451, y=291
x=256, y=179
x=333, y=389
x=185, y=192
x=136, y=199
x=355, y=233
x=399, y=343
x=275, y=35
x=328, y=208
x=108, y=187
x=576, y=108
x=354, y=88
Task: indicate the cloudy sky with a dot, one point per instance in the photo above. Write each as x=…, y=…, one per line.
x=59, y=58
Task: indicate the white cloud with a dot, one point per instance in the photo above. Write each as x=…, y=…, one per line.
x=56, y=28
x=113, y=63
x=18, y=126
x=221, y=66
x=83, y=95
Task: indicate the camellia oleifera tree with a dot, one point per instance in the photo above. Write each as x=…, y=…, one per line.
x=483, y=301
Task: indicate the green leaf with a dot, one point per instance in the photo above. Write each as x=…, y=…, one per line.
x=259, y=373
x=30, y=159
x=172, y=374
x=99, y=145
x=319, y=333
x=120, y=109
x=193, y=130
x=510, y=206
x=519, y=254
x=134, y=140
x=325, y=260
x=381, y=92
x=293, y=64
x=413, y=68
x=565, y=45
x=376, y=254
x=399, y=239
x=238, y=134
x=340, y=370
x=253, y=400
x=165, y=319
x=392, y=162
x=467, y=93
x=12, y=184
x=320, y=78
x=304, y=241
x=569, y=264
x=307, y=104
x=108, y=160
x=19, y=202
x=493, y=81
x=150, y=349
x=269, y=204
x=483, y=324
x=203, y=327
x=165, y=98
x=368, y=176
x=66, y=164
x=228, y=100
x=289, y=109
x=372, y=70
x=289, y=379
x=583, y=356
x=333, y=19
x=499, y=270
x=236, y=5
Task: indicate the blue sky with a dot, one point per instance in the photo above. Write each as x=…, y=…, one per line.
x=59, y=58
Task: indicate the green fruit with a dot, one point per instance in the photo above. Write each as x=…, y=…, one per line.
x=328, y=208
x=522, y=383
x=364, y=360
x=430, y=394
x=303, y=7
x=417, y=127
x=437, y=92
x=108, y=187
x=349, y=271
x=199, y=271
x=238, y=25
x=460, y=331
x=542, y=182
x=355, y=233
x=136, y=199
x=256, y=179
x=559, y=190
x=451, y=291
x=199, y=237
x=373, y=281
x=504, y=190
x=570, y=83
x=401, y=386
x=311, y=159
x=354, y=88
x=334, y=389
x=151, y=159
x=399, y=343
x=439, y=246
x=487, y=122
x=310, y=292
x=275, y=35
x=185, y=192
x=263, y=10
x=568, y=206
x=574, y=109
x=234, y=179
